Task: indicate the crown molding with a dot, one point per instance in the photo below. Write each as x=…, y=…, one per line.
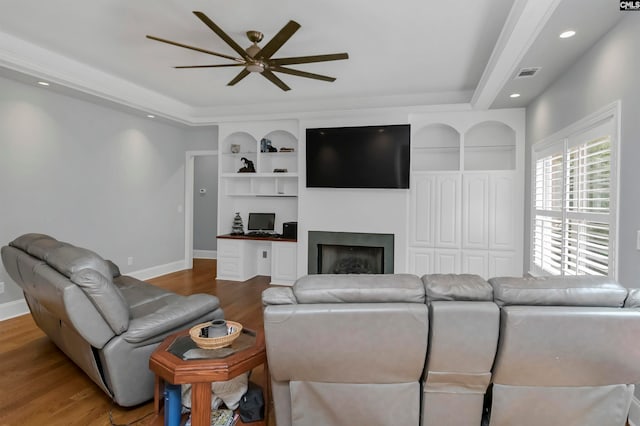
x=69, y=76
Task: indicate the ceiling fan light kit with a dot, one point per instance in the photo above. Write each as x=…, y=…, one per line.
x=259, y=60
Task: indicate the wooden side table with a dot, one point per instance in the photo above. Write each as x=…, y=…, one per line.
x=246, y=353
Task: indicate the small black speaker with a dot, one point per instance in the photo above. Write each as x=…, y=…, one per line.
x=290, y=230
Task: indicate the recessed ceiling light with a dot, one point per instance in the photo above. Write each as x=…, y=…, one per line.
x=151, y=116
x=514, y=95
x=567, y=34
x=43, y=83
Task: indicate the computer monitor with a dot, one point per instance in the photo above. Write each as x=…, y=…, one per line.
x=261, y=222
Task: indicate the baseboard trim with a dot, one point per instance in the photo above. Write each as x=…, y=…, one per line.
x=205, y=254
x=156, y=271
x=13, y=309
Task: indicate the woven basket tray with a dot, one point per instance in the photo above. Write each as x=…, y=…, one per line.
x=215, y=342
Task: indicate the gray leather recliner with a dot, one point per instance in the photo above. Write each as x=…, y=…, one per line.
x=464, y=324
x=107, y=323
x=567, y=354
x=347, y=349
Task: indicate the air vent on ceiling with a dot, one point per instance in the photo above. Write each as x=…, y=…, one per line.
x=527, y=72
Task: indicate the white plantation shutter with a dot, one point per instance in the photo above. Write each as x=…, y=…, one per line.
x=574, y=204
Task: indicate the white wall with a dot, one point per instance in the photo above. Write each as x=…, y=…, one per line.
x=351, y=210
x=94, y=176
x=607, y=72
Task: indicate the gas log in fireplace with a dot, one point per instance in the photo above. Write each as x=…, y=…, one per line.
x=350, y=253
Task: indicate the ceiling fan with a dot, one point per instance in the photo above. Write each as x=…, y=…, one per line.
x=255, y=59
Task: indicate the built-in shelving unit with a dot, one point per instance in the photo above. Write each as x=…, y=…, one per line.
x=272, y=188
x=465, y=198
x=276, y=173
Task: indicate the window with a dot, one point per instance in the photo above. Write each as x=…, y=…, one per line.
x=574, y=213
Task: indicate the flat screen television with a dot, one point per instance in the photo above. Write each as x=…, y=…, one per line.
x=358, y=157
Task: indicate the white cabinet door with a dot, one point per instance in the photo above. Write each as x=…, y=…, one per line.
x=283, y=262
x=475, y=211
x=475, y=262
x=446, y=261
x=502, y=211
x=230, y=257
x=421, y=210
x=504, y=264
x=447, y=211
x=420, y=261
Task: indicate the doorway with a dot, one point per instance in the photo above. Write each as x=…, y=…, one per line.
x=205, y=192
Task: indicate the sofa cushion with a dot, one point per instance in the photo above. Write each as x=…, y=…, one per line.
x=105, y=296
x=558, y=291
x=25, y=241
x=633, y=300
x=115, y=271
x=365, y=288
x=68, y=259
x=459, y=287
x=278, y=296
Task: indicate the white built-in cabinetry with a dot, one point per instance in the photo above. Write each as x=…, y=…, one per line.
x=466, y=203
x=273, y=188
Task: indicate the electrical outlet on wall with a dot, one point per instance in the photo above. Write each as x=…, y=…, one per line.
x=130, y=261
x=1, y=287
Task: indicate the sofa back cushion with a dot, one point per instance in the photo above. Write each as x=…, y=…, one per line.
x=63, y=257
x=458, y=287
x=105, y=296
x=364, y=288
x=559, y=291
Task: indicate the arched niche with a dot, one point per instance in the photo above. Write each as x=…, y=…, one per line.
x=436, y=147
x=490, y=145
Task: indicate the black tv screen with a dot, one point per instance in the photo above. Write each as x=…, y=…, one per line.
x=358, y=157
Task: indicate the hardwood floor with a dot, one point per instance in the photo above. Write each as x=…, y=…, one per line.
x=39, y=385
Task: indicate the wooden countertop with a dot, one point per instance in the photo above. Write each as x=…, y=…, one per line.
x=254, y=238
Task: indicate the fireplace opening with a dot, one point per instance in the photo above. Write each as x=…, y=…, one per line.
x=344, y=259
x=350, y=253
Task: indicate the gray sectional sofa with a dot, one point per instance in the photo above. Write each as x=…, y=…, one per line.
x=452, y=350
x=107, y=323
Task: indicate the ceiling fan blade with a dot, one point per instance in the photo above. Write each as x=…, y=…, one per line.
x=216, y=29
x=303, y=74
x=238, y=77
x=197, y=49
x=275, y=80
x=309, y=59
x=210, y=66
x=278, y=40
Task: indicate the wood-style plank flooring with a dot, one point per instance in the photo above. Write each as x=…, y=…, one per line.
x=40, y=386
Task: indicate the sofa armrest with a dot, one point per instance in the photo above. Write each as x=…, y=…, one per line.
x=173, y=316
x=278, y=296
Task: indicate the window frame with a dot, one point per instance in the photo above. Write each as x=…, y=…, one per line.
x=563, y=141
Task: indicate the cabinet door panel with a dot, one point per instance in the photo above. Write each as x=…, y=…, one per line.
x=475, y=262
x=284, y=261
x=420, y=262
x=422, y=196
x=502, y=212
x=475, y=211
x=447, y=209
x=446, y=262
x=503, y=264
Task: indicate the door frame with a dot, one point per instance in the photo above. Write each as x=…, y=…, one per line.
x=189, y=184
